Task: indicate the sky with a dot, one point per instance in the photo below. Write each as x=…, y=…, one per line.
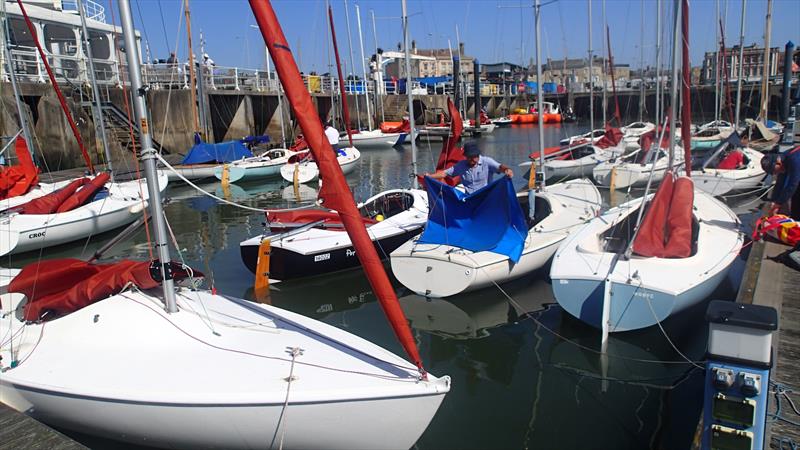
x=492, y=31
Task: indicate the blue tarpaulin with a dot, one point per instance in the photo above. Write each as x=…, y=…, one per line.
x=489, y=219
x=223, y=152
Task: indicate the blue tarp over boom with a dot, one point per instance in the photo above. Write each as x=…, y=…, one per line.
x=489, y=219
x=223, y=152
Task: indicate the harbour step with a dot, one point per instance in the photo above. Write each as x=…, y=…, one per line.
x=21, y=432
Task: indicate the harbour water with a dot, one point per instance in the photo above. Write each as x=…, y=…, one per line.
x=524, y=373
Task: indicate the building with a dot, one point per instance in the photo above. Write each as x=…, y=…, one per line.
x=753, y=67
x=58, y=27
x=502, y=72
x=574, y=74
x=433, y=63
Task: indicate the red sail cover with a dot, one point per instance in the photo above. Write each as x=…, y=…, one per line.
x=85, y=192
x=48, y=204
x=299, y=144
x=404, y=127
x=17, y=180
x=334, y=192
x=300, y=217
x=666, y=231
x=611, y=138
x=450, y=154
x=62, y=286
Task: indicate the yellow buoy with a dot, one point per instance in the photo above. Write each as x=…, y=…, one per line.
x=379, y=217
x=261, y=287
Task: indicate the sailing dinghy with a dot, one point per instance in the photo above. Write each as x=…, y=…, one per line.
x=655, y=256
x=309, y=242
x=466, y=247
x=83, y=208
x=265, y=165
x=715, y=178
x=236, y=367
x=305, y=168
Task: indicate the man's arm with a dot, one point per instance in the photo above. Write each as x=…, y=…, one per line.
x=499, y=168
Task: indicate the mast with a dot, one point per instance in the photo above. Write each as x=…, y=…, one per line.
x=613, y=81
x=741, y=66
x=334, y=112
x=352, y=64
x=686, y=101
x=148, y=155
x=345, y=109
x=717, y=105
x=641, y=68
x=59, y=94
x=673, y=110
x=725, y=71
x=539, y=110
x=334, y=191
x=192, y=85
x=605, y=84
x=410, y=96
x=591, y=74
x=378, y=69
x=23, y=118
x=363, y=66
x=97, y=112
x=658, y=64
x=765, y=76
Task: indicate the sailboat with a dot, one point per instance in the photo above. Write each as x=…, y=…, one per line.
x=138, y=360
x=719, y=181
x=627, y=269
x=477, y=240
x=76, y=209
x=303, y=168
x=310, y=242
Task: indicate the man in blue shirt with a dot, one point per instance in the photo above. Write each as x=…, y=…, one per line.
x=786, y=195
x=475, y=170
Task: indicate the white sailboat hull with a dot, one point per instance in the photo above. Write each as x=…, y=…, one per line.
x=307, y=171
x=435, y=270
x=376, y=139
x=213, y=375
x=192, y=172
x=21, y=233
x=644, y=291
x=720, y=182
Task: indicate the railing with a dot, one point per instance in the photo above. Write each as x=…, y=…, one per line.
x=92, y=9
x=28, y=66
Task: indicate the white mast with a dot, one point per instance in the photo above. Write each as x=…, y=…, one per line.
x=363, y=66
x=658, y=63
x=409, y=91
x=97, y=112
x=605, y=53
x=379, y=87
x=741, y=65
x=673, y=110
x=591, y=74
x=641, y=68
x=148, y=155
x=539, y=110
x=352, y=64
x=716, y=63
x=767, y=56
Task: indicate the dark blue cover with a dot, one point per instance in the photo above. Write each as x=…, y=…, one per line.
x=223, y=152
x=489, y=219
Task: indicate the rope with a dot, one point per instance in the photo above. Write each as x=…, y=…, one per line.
x=294, y=352
x=222, y=200
x=666, y=336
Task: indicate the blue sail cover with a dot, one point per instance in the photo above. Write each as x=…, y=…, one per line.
x=489, y=219
x=223, y=152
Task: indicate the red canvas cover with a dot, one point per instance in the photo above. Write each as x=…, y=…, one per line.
x=666, y=231
x=299, y=144
x=62, y=286
x=393, y=127
x=612, y=138
x=85, y=192
x=547, y=152
x=17, y=180
x=48, y=204
x=303, y=216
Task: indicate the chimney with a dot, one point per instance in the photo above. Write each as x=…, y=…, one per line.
x=414, y=46
x=461, y=48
